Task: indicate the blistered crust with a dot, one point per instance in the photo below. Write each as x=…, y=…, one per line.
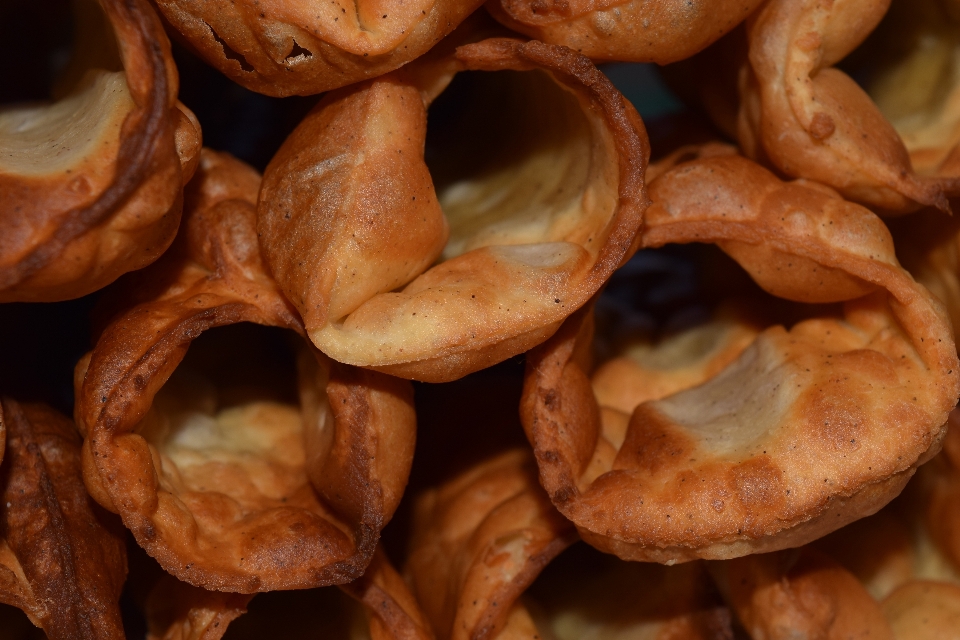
x=628, y=30
x=352, y=225
x=62, y=559
x=811, y=120
x=478, y=542
x=306, y=514
x=93, y=183
x=803, y=432
x=289, y=48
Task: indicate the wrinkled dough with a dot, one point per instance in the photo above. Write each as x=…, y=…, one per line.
x=540, y=185
x=40, y=140
x=253, y=453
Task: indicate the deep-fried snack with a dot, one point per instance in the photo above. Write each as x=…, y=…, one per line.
x=62, y=559
x=213, y=466
x=924, y=610
x=481, y=540
x=92, y=183
x=911, y=65
x=288, y=48
x=179, y=611
x=530, y=219
x=800, y=594
x=804, y=430
x=629, y=30
x=811, y=120
x=942, y=483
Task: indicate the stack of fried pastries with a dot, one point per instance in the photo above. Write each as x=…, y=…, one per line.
x=474, y=350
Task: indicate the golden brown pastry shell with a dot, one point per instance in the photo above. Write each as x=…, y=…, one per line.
x=70, y=231
x=214, y=277
x=662, y=492
x=362, y=278
x=62, y=558
x=282, y=49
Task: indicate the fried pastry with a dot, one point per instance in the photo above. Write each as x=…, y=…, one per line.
x=226, y=473
x=800, y=594
x=62, y=559
x=628, y=30
x=179, y=611
x=802, y=431
x=529, y=218
x=811, y=120
x=92, y=183
x=924, y=610
x=911, y=62
x=481, y=539
x=287, y=48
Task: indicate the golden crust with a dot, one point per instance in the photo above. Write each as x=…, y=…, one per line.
x=629, y=30
x=800, y=594
x=812, y=121
x=790, y=441
x=260, y=495
x=351, y=223
x=62, y=560
x=287, y=48
x=942, y=479
x=478, y=542
x=92, y=184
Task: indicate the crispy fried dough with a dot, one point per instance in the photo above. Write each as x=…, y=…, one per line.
x=924, y=610
x=218, y=474
x=812, y=121
x=481, y=540
x=942, y=482
x=351, y=223
x=629, y=30
x=178, y=611
x=806, y=430
x=62, y=559
x=92, y=184
x=913, y=75
x=800, y=594
x=290, y=48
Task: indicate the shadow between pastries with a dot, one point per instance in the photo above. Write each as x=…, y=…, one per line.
x=62, y=558
x=378, y=606
x=428, y=283
x=628, y=30
x=92, y=183
x=487, y=560
x=289, y=48
x=247, y=464
x=811, y=120
x=735, y=438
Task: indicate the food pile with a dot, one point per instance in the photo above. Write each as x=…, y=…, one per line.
x=480, y=347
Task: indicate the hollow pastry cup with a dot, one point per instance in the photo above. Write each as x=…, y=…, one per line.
x=627, y=30
x=749, y=439
x=811, y=120
x=92, y=184
x=255, y=495
x=392, y=274
x=62, y=558
x=286, y=48
x=486, y=562
x=382, y=609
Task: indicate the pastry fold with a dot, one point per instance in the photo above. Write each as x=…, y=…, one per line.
x=225, y=472
x=62, y=559
x=628, y=30
x=483, y=565
x=759, y=437
x=289, y=48
x=92, y=184
x=531, y=218
x=811, y=120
